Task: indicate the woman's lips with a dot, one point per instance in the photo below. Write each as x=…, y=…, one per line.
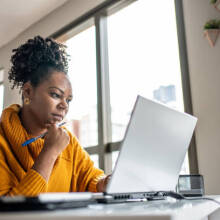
x=57, y=117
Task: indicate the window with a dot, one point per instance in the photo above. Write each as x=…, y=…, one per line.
x=146, y=56
x=143, y=59
x=82, y=73
x=95, y=159
x=134, y=40
x=1, y=90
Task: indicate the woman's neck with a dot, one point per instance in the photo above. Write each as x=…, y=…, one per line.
x=29, y=122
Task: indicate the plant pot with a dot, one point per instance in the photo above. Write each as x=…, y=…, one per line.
x=211, y=35
x=217, y=5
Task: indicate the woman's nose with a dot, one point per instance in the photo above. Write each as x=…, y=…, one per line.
x=63, y=104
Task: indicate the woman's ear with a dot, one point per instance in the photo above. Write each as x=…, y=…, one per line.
x=27, y=91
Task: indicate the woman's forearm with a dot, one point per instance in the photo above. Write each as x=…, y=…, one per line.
x=44, y=164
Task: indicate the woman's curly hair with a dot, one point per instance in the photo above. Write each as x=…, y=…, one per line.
x=34, y=61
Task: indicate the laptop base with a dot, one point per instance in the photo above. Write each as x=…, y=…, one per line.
x=130, y=197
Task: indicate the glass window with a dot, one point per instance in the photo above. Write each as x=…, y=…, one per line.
x=114, y=158
x=82, y=73
x=143, y=59
x=95, y=159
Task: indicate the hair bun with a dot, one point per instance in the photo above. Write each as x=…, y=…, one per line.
x=32, y=55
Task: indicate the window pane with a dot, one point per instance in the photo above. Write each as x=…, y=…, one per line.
x=82, y=73
x=114, y=158
x=185, y=166
x=143, y=59
x=95, y=159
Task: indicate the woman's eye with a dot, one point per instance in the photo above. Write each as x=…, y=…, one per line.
x=55, y=95
x=68, y=100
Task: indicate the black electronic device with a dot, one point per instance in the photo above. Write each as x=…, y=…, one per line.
x=46, y=201
x=190, y=185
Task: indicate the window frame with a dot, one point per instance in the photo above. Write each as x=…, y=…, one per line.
x=98, y=17
x=184, y=68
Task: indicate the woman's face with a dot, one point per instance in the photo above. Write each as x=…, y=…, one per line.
x=49, y=101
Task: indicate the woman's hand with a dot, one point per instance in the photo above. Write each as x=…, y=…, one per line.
x=102, y=184
x=55, y=142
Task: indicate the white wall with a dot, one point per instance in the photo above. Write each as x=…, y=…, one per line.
x=45, y=27
x=204, y=67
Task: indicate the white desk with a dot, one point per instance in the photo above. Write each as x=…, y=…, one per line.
x=156, y=210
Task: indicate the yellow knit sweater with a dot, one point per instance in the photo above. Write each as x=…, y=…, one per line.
x=73, y=170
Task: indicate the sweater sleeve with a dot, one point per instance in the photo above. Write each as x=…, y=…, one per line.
x=85, y=174
x=31, y=184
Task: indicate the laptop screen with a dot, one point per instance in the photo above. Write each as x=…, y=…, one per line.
x=153, y=149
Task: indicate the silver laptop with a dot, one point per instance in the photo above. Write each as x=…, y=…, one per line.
x=152, y=152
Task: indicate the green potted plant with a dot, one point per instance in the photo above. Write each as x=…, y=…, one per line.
x=212, y=24
x=212, y=29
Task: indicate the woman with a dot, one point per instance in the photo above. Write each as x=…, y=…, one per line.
x=55, y=163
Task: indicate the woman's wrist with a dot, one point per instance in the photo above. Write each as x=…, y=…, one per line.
x=50, y=151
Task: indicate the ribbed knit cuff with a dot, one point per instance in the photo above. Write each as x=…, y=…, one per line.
x=31, y=185
x=92, y=185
